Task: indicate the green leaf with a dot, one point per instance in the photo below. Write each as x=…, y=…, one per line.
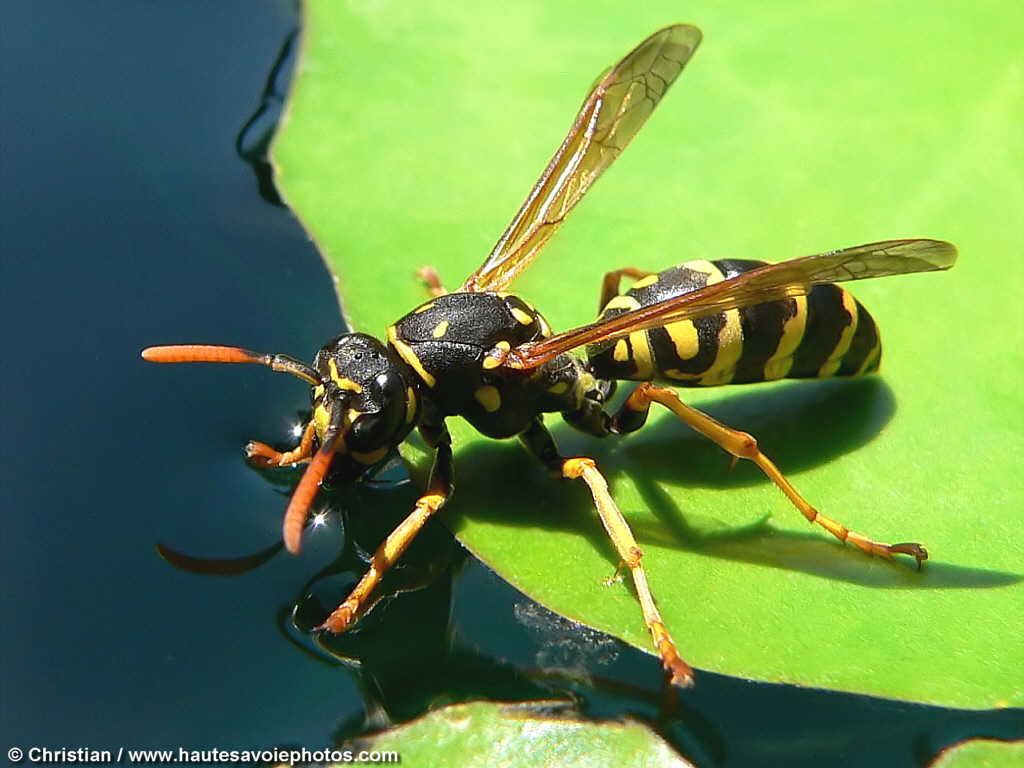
x=416, y=129
x=488, y=734
x=982, y=753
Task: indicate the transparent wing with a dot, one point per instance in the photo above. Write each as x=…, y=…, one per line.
x=610, y=117
x=768, y=283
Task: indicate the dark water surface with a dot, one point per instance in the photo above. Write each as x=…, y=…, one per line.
x=127, y=219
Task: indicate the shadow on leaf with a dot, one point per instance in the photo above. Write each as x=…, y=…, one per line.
x=799, y=425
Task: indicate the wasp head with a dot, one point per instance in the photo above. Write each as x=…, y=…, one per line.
x=366, y=398
x=364, y=404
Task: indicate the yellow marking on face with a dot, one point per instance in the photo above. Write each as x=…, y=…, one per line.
x=489, y=397
x=343, y=382
x=644, y=282
x=585, y=383
x=405, y=352
x=321, y=417
x=370, y=458
x=353, y=414
x=831, y=365
x=440, y=329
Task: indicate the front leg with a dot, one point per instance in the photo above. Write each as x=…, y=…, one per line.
x=439, y=490
x=263, y=455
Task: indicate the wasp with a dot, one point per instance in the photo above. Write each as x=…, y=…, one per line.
x=487, y=355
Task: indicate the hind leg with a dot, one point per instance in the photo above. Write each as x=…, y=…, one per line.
x=743, y=446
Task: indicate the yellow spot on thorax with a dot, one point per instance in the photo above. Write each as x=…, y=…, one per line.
x=489, y=397
x=522, y=317
x=496, y=356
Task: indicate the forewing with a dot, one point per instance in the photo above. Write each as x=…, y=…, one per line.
x=611, y=116
x=768, y=283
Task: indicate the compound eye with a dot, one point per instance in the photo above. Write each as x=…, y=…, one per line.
x=381, y=424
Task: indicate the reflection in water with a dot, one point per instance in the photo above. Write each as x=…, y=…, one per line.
x=253, y=141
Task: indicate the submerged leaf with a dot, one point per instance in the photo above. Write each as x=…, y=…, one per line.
x=539, y=733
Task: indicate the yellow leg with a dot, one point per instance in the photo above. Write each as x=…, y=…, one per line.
x=743, y=446
x=263, y=455
x=611, y=281
x=629, y=553
x=432, y=280
x=387, y=554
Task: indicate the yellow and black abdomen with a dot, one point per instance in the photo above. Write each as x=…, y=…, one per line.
x=825, y=333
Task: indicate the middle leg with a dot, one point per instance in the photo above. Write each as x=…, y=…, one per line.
x=539, y=442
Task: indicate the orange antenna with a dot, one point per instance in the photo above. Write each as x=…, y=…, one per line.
x=211, y=353
x=305, y=491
